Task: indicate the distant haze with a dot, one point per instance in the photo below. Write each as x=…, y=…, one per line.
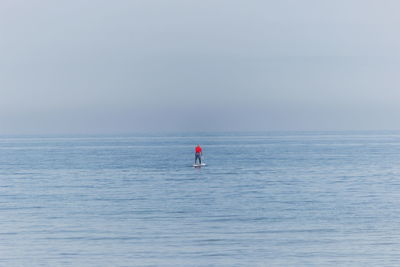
x=124, y=66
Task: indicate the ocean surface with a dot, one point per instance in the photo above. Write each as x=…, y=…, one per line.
x=264, y=199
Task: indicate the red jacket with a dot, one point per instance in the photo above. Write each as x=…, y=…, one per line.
x=198, y=149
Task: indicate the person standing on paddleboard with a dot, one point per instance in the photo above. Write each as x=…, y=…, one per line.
x=198, y=154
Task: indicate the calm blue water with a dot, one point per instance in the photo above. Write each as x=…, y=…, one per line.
x=265, y=199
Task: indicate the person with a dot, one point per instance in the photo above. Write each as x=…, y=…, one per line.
x=198, y=154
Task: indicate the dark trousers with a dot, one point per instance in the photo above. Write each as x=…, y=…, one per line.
x=197, y=156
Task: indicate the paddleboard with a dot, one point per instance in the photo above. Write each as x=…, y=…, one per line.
x=199, y=165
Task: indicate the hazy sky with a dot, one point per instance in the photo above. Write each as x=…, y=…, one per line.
x=123, y=66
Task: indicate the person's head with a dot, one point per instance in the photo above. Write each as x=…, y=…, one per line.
x=198, y=145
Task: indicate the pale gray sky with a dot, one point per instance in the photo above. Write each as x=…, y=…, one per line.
x=123, y=66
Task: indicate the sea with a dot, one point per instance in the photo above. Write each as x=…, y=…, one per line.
x=264, y=199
